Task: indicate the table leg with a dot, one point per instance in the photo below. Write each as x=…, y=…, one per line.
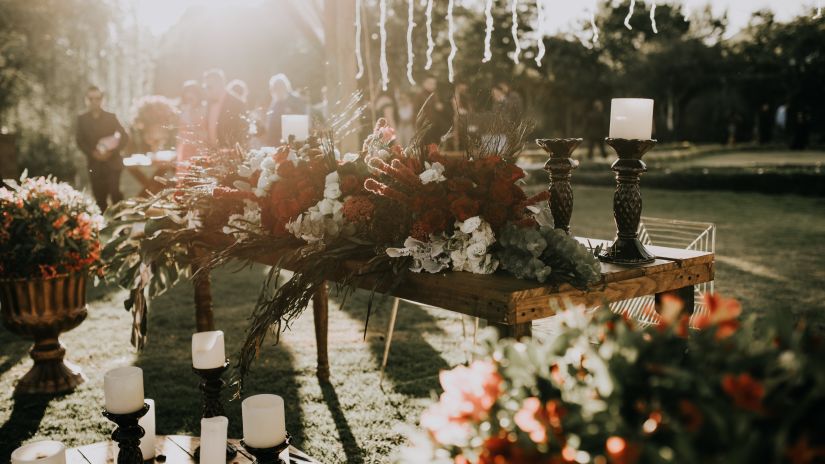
x=517, y=331
x=204, y=316
x=685, y=294
x=320, y=310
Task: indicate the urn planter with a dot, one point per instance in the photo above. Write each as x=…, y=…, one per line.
x=42, y=309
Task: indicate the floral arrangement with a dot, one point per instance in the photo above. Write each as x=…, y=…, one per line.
x=47, y=229
x=603, y=389
x=154, y=122
x=393, y=209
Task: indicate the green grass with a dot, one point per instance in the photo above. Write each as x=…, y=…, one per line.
x=770, y=256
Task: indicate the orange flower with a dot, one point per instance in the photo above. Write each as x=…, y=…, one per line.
x=747, y=392
x=620, y=451
x=722, y=313
x=535, y=418
x=58, y=223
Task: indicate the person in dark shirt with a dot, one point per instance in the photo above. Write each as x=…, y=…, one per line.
x=284, y=101
x=435, y=112
x=101, y=138
x=595, y=128
x=226, y=124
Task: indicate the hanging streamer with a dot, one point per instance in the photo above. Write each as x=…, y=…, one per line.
x=653, y=17
x=540, y=44
x=488, y=13
x=450, y=36
x=629, y=15
x=595, y=38
x=514, y=30
x=430, y=42
x=410, y=55
x=382, y=24
x=359, y=60
x=818, y=9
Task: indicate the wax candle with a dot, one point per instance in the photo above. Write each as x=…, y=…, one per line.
x=208, y=350
x=631, y=118
x=295, y=124
x=213, y=440
x=147, y=443
x=263, y=421
x=40, y=452
x=123, y=389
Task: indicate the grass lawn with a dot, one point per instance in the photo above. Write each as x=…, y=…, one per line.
x=770, y=255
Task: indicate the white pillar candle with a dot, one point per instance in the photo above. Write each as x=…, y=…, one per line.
x=213, y=440
x=123, y=389
x=631, y=118
x=295, y=124
x=147, y=443
x=208, y=350
x=40, y=452
x=263, y=421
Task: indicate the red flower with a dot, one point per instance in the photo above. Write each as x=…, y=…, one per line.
x=358, y=209
x=501, y=192
x=620, y=451
x=464, y=208
x=349, y=184
x=746, y=392
x=58, y=223
x=721, y=313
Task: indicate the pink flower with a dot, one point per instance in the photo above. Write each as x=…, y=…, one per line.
x=387, y=134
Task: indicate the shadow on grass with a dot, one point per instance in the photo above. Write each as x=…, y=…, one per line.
x=413, y=363
x=353, y=452
x=26, y=414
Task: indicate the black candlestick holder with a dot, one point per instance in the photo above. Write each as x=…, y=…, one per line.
x=128, y=434
x=560, y=166
x=268, y=455
x=211, y=404
x=627, y=203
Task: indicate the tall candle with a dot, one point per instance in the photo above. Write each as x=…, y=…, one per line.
x=123, y=389
x=208, y=350
x=263, y=421
x=213, y=440
x=295, y=124
x=631, y=118
x=147, y=443
x=40, y=452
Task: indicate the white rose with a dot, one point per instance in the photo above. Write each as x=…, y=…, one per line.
x=325, y=206
x=332, y=178
x=470, y=224
x=350, y=157
x=332, y=191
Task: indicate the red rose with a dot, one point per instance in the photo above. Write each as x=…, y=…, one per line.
x=349, y=184
x=464, y=208
x=501, y=192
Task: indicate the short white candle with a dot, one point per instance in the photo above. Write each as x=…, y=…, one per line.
x=147, y=443
x=263, y=421
x=123, y=389
x=208, y=350
x=295, y=124
x=631, y=118
x=40, y=452
x=213, y=440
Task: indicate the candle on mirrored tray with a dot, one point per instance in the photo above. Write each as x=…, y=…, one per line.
x=263, y=421
x=631, y=118
x=208, y=350
x=40, y=452
x=213, y=440
x=147, y=443
x=123, y=389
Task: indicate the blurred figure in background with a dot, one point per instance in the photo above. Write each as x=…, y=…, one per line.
x=462, y=107
x=239, y=89
x=433, y=110
x=192, y=128
x=101, y=138
x=595, y=128
x=765, y=124
x=405, y=129
x=226, y=124
x=284, y=101
x=513, y=104
x=385, y=108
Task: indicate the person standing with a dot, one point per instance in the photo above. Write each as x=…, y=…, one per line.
x=429, y=104
x=101, y=137
x=226, y=125
x=284, y=101
x=513, y=104
x=406, y=119
x=192, y=128
x=595, y=129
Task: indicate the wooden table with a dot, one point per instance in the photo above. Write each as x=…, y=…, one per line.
x=175, y=448
x=512, y=304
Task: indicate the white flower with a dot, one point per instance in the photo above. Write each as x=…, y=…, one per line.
x=350, y=157
x=470, y=224
x=332, y=191
x=331, y=178
x=325, y=206
x=427, y=256
x=433, y=173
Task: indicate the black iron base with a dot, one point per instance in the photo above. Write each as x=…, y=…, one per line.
x=231, y=452
x=627, y=251
x=268, y=455
x=128, y=434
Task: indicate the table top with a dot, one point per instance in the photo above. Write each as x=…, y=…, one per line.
x=504, y=299
x=175, y=448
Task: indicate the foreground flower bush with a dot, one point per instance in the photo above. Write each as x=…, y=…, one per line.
x=47, y=228
x=604, y=390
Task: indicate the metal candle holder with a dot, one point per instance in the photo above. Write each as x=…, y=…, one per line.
x=128, y=434
x=627, y=203
x=211, y=404
x=560, y=166
x=268, y=455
